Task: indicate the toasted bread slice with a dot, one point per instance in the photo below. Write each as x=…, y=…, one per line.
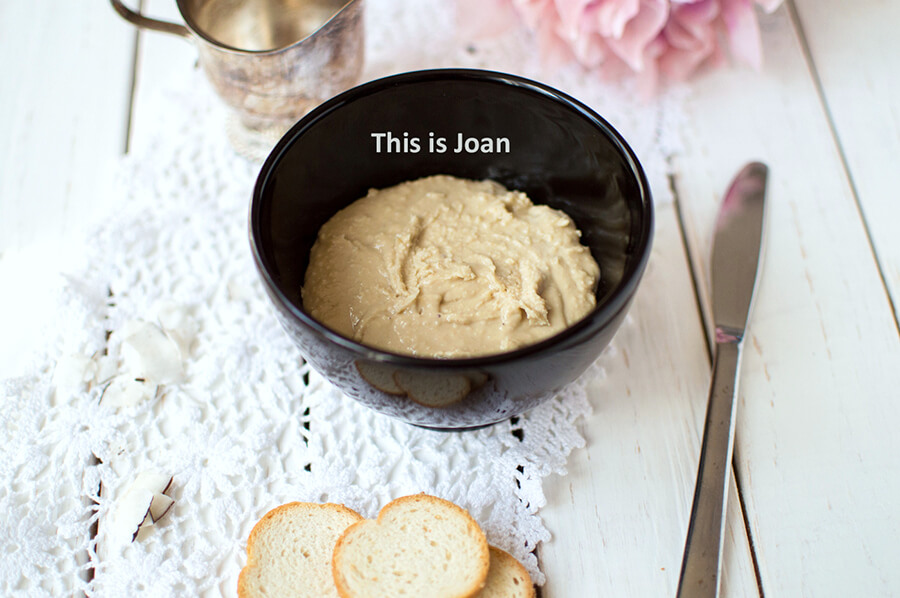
x=420, y=546
x=507, y=578
x=290, y=549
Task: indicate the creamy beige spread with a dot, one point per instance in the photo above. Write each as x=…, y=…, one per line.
x=447, y=267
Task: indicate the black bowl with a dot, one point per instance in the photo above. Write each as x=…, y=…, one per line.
x=560, y=153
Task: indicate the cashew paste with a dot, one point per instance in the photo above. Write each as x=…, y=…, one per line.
x=446, y=267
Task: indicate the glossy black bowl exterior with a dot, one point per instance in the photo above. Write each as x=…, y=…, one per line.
x=560, y=153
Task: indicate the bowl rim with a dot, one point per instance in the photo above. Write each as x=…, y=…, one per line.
x=594, y=321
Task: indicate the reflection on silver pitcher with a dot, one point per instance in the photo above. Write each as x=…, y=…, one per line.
x=270, y=60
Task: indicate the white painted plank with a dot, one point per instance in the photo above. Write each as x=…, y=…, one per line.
x=856, y=49
x=816, y=444
x=619, y=518
x=64, y=98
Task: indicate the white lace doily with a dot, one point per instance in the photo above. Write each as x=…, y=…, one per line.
x=244, y=426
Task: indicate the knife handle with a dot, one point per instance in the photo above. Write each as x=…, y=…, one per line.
x=701, y=563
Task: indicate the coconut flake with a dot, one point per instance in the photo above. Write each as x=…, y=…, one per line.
x=152, y=480
x=178, y=326
x=130, y=513
x=141, y=505
x=127, y=391
x=106, y=367
x=160, y=505
x=149, y=354
x=143, y=529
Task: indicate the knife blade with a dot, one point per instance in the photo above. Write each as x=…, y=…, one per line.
x=737, y=247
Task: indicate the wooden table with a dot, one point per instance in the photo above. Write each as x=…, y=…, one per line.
x=814, y=507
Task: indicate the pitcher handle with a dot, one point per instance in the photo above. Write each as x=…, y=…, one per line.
x=136, y=18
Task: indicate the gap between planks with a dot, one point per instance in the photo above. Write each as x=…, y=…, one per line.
x=132, y=83
x=90, y=572
x=797, y=25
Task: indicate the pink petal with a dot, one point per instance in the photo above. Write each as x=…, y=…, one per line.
x=639, y=32
x=678, y=35
x=555, y=51
x=590, y=49
x=743, y=31
x=570, y=14
x=611, y=16
x=648, y=79
x=679, y=64
x=692, y=26
x=689, y=35
x=699, y=11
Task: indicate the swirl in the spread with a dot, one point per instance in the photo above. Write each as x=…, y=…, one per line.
x=447, y=267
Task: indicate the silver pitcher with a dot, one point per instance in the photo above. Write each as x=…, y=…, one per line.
x=270, y=60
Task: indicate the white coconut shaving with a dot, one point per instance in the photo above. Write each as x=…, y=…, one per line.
x=143, y=503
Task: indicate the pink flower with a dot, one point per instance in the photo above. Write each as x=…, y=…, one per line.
x=653, y=39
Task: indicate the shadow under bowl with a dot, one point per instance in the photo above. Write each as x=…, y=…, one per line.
x=560, y=153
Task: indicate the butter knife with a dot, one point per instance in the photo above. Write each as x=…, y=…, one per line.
x=735, y=261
